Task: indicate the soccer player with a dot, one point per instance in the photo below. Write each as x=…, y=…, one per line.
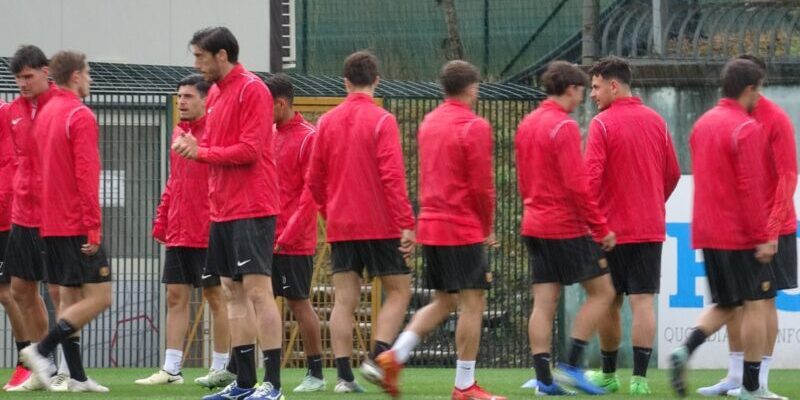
x=456, y=223
x=730, y=222
x=358, y=180
x=66, y=136
x=181, y=224
x=781, y=181
x=632, y=170
x=244, y=195
x=15, y=318
x=296, y=231
x=559, y=215
x=24, y=263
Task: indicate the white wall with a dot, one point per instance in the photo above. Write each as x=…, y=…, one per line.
x=134, y=31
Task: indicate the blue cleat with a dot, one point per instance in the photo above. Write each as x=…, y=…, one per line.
x=231, y=392
x=266, y=392
x=575, y=377
x=553, y=389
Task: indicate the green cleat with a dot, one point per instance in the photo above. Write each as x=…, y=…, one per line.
x=609, y=382
x=678, y=361
x=639, y=386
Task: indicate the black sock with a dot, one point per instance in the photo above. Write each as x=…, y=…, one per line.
x=246, y=365
x=609, y=361
x=576, y=352
x=751, y=371
x=380, y=347
x=315, y=366
x=20, y=346
x=61, y=331
x=231, y=367
x=343, y=369
x=696, y=338
x=71, y=347
x=641, y=357
x=541, y=363
x=272, y=367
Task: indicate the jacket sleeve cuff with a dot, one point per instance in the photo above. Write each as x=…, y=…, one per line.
x=159, y=232
x=93, y=236
x=600, y=234
x=202, y=153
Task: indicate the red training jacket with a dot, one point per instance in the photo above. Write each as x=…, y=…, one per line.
x=66, y=132
x=182, y=215
x=782, y=178
x=552, y=178
x=7, y=169
x=731, y=160
x=357, y=176
x=296, y=228
x=456, y=183
x=242, y=177
x=632, y=169
x=26, y=207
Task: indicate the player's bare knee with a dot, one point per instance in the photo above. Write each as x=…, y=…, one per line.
x=176, y=298
x=6, y=299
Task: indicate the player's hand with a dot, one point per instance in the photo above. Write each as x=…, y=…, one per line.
x=609, y=241
x=89, y=249
x=407, y=242
x=186, y=146
x=491, y=241
x=765, y=251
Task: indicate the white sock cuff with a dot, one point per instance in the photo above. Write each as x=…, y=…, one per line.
x=737, y=354
x=466, y=364
x=766, y=359
x=404, y=344
x=173, y=352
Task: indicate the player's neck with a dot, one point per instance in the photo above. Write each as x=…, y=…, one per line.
x=564, y=101
x=71, y=89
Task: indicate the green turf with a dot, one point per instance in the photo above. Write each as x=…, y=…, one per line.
x=417, y=384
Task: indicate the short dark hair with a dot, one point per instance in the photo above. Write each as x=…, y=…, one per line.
x=280, y=85
x=361, y=68
x=457, y=75
x=560, y=75
x=27, y=56
x=612, y=67
x=755, y=59
x=738, y=74
x=217, y=38
x=198, y=82
x=65, y=63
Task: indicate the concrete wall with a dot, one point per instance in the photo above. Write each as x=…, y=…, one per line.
x=137, y=32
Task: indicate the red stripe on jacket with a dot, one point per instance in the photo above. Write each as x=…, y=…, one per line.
x=7, y=169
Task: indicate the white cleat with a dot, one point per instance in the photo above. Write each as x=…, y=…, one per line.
x=348, y=387
x=765, y=394
x=215, y=379
x=88, y=386
x=59, y=383
x=31, y=384
x=372, y=372
x=721, y=388
x=161, y=378
x=39, y=365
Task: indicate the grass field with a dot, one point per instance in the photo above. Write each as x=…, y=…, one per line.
x=417, y=384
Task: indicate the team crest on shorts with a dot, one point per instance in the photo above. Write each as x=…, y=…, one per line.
x=489, y=277
x=603, y=263
x=765, y=286
x=104, y=271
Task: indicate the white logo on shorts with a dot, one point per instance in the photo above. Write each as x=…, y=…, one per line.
x=204, y=277
x=241, y=263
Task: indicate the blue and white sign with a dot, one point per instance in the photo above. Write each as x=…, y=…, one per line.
x=684, y=294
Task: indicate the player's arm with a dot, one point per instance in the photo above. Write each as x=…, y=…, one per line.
x=478, y=149
x=596, y=156
x=83, y=138
x=306, y=212
x=784, y=156
x=317, y=174
x=567, y=144
x=7, y=161
x=748, y=148
x=393, y=179
x=255, y=116
x=162, y=211
x=672, y=172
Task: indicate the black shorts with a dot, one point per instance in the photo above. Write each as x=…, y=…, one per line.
x=187, y=266
x=636, y=267
x=291, y=277
x=564, y=261
x=455, y=268
x=241, y=247
x=735, y=276
x=67, y=266
x=5, y=277
x=25, y=254
x=784, y=266
x=380, y=257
